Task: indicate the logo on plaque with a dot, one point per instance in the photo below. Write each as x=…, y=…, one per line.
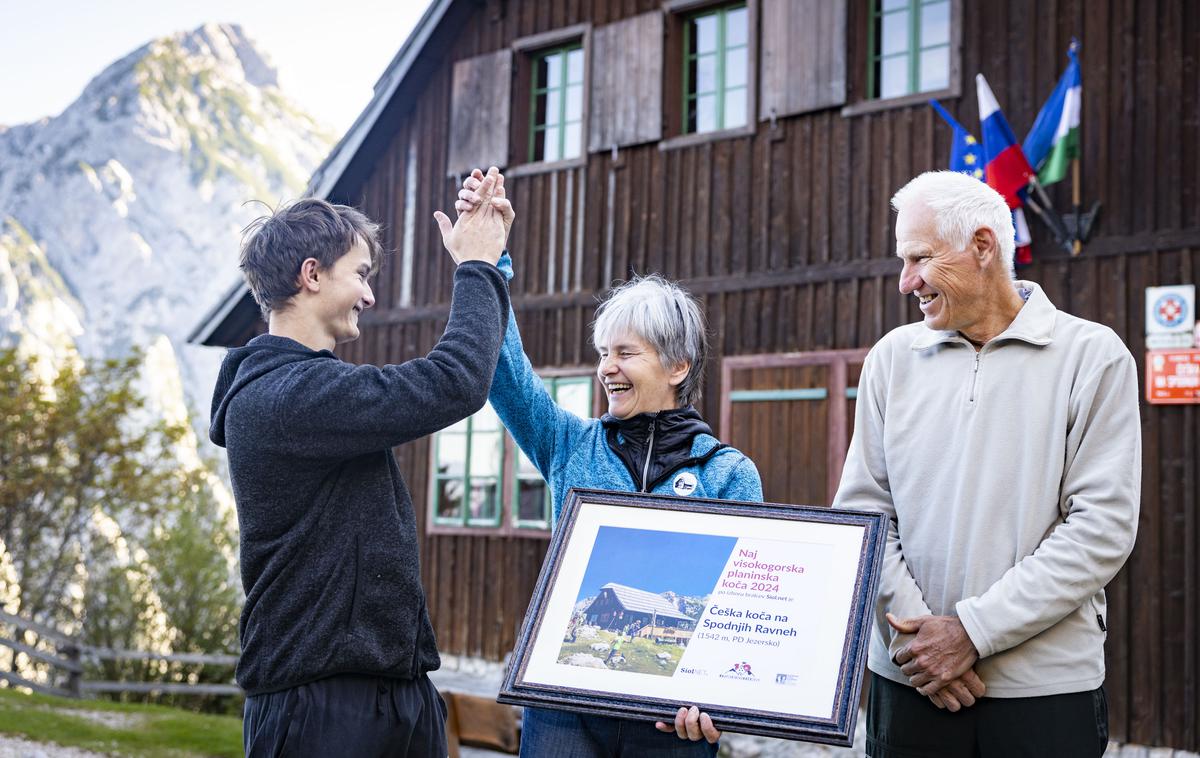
x=740, y=671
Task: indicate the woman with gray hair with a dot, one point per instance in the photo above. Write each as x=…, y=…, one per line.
x=650, y=337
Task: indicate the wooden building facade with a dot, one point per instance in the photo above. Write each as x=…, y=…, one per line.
x=771, y=203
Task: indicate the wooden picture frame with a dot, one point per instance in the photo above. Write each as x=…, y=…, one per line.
x=776, y=645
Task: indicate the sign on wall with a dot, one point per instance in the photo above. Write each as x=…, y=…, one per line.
x=1172, y=376
x=1170, y=316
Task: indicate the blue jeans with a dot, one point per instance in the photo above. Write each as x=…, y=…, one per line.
x=562, y=734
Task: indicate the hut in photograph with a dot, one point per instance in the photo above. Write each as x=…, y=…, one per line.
x=750, y=149
x=637, y=612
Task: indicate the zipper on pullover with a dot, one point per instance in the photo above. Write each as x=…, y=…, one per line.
x=975, y=375
x=649, y=454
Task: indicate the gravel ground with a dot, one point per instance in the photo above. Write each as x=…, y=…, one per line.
x=17, y=747
x=482, y=678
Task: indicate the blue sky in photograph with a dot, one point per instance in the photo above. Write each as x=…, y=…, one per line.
x=687, y=564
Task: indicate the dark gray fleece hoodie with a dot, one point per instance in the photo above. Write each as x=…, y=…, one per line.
x=328, y=535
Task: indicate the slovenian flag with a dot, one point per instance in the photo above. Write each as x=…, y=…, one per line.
x=966, y=157
x=1054, y=139
x=1006, y=169
x=1024, y=240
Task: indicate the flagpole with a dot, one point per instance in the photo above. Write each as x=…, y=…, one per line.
x=1033, y=206
x=1076, y=245
x=1047, y=215
x=1076, y=194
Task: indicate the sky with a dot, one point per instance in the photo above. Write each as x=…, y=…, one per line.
x=329, y=54
x=687, y=564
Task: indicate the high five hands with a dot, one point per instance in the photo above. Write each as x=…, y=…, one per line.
x=940, y=660
x=471, y=195
x=481, y=230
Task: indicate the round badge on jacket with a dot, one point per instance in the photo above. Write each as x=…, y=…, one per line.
x=684, y=484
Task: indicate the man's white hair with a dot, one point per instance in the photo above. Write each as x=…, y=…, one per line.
x=961, y=205
x=667, y=317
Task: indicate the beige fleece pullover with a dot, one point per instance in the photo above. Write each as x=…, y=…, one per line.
x=1011, y=477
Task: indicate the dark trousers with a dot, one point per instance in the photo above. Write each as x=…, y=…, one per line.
x=347, y=715
x=901, y=723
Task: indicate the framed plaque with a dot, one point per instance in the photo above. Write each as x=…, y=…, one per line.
x=759, y=613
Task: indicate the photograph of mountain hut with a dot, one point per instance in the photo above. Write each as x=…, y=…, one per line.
x=641, y=597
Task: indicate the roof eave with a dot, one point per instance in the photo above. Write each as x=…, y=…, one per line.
x=212, y=321
x=330, y=172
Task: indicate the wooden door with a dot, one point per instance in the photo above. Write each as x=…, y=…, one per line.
x=792, y=414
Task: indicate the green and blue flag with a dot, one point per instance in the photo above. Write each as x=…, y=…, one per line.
x=1053, y=141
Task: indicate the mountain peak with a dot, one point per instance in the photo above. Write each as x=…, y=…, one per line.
x=135, y=195
x=229, y=44
x=220, y=55
x=212, y=53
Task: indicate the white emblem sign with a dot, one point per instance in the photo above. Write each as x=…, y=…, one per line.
x=1170, y=316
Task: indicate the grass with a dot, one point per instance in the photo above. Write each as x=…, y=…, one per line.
x=159, y=732
x=641, y=654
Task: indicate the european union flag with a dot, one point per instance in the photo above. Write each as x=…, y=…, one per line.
x=966, y=154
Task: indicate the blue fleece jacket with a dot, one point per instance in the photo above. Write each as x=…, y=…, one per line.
x=572, y=452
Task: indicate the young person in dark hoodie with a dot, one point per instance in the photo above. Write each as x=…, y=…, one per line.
x=336, y=639
x=650, y=337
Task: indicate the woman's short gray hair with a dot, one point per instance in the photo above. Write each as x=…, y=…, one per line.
x=667, y=317
x=961, y=204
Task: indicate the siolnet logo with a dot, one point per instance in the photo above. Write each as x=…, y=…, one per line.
x=693, y=671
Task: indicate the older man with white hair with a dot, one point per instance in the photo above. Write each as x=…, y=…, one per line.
x=1001, y=438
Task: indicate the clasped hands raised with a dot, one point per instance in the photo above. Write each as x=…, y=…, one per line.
x=481, y=230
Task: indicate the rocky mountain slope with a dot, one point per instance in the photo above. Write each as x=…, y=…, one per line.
x=120, y=218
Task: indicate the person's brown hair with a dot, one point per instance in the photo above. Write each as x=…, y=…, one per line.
x=274, y=246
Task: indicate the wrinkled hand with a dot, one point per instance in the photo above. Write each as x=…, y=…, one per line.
x=960, y=693
x=480, y=233
x=470, y=197
x=691, y=724
x=940, y=655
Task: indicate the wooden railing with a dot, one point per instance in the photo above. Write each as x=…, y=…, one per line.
x=70, y=655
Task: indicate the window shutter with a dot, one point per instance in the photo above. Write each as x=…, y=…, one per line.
x=803, y=56
x=626, y=91
x=479, y=112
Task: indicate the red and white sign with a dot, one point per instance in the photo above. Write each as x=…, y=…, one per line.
x=1170, y=316
x=1173, y=376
